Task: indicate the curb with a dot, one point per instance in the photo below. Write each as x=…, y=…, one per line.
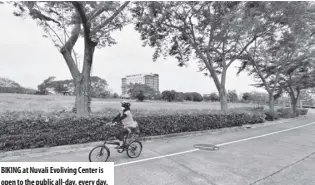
x=81, y=147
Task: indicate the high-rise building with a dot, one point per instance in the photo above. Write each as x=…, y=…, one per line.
x=151, y=80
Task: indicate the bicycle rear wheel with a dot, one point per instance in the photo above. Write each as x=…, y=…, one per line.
x=134, y=149
x=101, y=151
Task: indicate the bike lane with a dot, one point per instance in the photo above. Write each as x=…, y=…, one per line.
x=237, y=163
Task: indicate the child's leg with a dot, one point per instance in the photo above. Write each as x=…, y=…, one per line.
x=121, y=136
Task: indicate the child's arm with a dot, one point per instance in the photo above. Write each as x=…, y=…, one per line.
x=116, y=118
x=121, y=117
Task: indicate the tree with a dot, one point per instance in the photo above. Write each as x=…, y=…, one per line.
x=247, y=96
x=214, y=97
x=140, y=96
x=169, y=95
x=206, y=97
x=141, y=91
x=60, y=88
x=115, y=96
x=180, y=96
x=232, y=96
x=63, y=21
x=214, y=33
x=270, y=56
x=99, y=87
x=196, y=97
x=42, y=88
x=307, y=97
x=300, y=75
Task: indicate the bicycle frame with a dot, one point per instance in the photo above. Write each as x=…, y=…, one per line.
x=116, y=143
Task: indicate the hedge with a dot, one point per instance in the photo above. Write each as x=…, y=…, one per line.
x=287, y=112
x=29, y=130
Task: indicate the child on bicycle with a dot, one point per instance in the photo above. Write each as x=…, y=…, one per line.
x=126, y=118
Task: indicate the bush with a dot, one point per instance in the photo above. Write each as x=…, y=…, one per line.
x=28, y=130
x=271, y=116
x=303, y=111
x=287, y=112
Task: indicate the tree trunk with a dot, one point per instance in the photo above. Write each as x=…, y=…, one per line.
x=294, y=106
x=82, y=92
x=223, y=99
x=271, y=103
x=223, y=94
x=83, y=83
x=294, y=101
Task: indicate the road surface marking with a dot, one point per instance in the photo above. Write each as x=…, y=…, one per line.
x=222, y=144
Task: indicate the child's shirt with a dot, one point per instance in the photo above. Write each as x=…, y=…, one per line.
x=126, y=119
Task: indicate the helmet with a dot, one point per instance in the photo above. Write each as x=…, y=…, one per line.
x=125, y=104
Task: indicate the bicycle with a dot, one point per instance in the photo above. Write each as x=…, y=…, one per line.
x=129, y=147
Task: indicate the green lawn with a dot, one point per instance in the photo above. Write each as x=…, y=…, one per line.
x=49, y=103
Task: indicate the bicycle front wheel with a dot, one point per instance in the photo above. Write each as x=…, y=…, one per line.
x=134, y=149
x=99, y=154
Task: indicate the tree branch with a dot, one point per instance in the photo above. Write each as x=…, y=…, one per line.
x=96, y=13
x=110, y=19
x=54, y=33
x=206, y=61
x=258, y=72
x=244, y=48
x=79, y=7
x=67, y=48
x=38, y=14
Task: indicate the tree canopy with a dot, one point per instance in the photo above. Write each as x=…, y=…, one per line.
x=64, y=22
x=215, y=34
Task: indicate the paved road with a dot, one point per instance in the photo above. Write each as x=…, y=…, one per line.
x=282, y=154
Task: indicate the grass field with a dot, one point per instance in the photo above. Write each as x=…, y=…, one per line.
x=49, y=103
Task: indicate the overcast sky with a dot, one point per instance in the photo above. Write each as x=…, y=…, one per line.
x=28, y=58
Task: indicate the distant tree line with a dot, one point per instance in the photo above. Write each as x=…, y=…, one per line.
x=17, y=90
x=99, y=87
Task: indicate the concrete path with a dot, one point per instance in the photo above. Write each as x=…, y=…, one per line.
x=281, y=154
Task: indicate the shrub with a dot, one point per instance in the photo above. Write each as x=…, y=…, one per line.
x=287, y=112
x=271, y=116
x=303, y=111
x=29, y=130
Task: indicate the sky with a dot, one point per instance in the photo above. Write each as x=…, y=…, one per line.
x=28, y=58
